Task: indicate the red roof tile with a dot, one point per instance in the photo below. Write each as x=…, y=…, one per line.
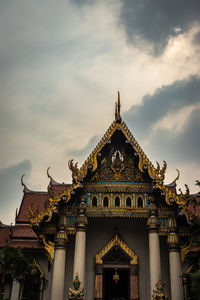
x=192, y=207
x=34, y=199
x=4, y=235
x=59, y=188
x=23, y=231
x=25, y=244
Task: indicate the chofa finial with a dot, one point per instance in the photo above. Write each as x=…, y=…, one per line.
x=23, y=184
x=48, y=175
x=117, y=109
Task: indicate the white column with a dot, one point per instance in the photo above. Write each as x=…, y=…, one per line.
x=58, y=281
x=174, y=262
x=79, y=256
x=15, y=290
x=154, y=259
x=175, y=276
x=154, y=248
x=80, y=243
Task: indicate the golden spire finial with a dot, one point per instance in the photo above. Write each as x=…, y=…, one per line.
x=118, y=104
x=117, y=109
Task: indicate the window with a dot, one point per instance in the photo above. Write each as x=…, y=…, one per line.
x=94, y=201
x=117, y=201
x=128, y=202
x=139, y=202
x=105, y=202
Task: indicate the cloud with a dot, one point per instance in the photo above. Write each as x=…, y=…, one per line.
x=155, y=22
x=197, y=38
x=85, y=151
x=11, y=189
x=179, y=147
x=165, y=100
x=167, y=125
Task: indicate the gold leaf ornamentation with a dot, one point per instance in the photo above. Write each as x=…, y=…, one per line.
x=184, y=250
x=169, y=194
x=49, y=247
x=38, y=217
x=116, y=241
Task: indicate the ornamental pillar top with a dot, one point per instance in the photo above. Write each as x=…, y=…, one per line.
x=81, y=220
x=61, y=239
x=152, y=221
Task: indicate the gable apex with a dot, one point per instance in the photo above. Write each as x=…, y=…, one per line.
x=144, y=163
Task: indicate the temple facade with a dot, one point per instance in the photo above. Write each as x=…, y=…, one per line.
x=115, y=232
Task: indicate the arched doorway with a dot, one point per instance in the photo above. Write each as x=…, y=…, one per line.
x=116, y=272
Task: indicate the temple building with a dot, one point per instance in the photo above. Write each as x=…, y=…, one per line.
x=115, y=232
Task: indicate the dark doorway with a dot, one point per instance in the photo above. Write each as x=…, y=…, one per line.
x=113, y=290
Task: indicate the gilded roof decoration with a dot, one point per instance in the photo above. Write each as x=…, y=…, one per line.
x=155, y=173
x=49, y=247
x=116, y=241
x=36, y=217
x=171, y=196
x=117, y=167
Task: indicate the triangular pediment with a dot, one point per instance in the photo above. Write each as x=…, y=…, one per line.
x=143, y=162
x=117, y=162
x=114, y=244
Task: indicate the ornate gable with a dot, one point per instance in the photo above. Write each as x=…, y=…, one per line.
x=118, y=159
x=117, y=167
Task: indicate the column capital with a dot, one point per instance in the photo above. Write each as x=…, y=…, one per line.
x=152, y=221
x=81, y=219
x=173, y=239
x=61, y=239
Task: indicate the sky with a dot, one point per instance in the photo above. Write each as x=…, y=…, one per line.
x=61, y=65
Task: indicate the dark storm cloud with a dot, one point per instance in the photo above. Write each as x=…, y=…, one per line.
x=10, y=186
x=179, y=147
x=196, y=39
x=83, y=152
x=155, y=21
x=165, y=100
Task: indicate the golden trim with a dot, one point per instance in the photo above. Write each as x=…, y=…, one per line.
x=132, y=200
x=155, y=173
x=36, y=217
x=184, y=250
x=49, y=247
x=169, y=194
x=116, y=241
x=103, y=196
x=143, y=201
